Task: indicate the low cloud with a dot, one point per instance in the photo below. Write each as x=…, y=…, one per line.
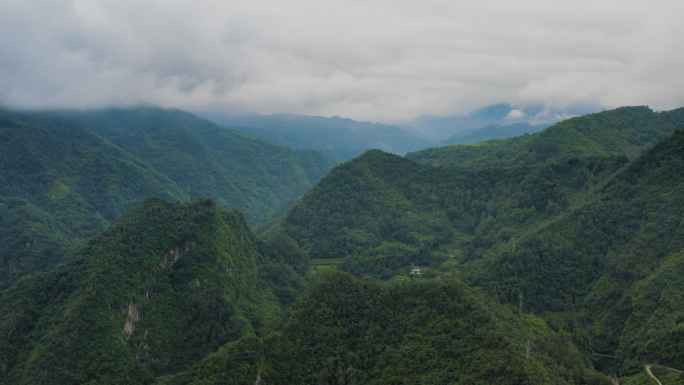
x=516, y=114
x=368, y=60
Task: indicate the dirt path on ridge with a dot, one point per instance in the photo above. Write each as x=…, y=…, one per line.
x=648, y=370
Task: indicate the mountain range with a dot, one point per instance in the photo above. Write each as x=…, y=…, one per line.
x=339, y=138
x=493, y=131
x=549, y=258
x=437, y=129
x=64, y=180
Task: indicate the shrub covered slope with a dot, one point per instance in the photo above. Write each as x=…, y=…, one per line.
x=165, y=285
x=591, y=242
x=61, y=186
x=238, y=171
x=345, y=331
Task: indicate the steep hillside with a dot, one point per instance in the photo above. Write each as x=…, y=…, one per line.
x=165, y=285
x=593, y=241
x=347, y=331
x=605, y=256
x=626, y=130
x=238, y=171
x=386, y=213
x=59, y=187
x=494, y=131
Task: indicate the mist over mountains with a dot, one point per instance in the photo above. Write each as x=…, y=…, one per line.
x=342, y=139
x=437, y=129
x=339, y=138
x=356, y=192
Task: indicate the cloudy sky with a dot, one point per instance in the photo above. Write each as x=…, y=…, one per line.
x=368, y=60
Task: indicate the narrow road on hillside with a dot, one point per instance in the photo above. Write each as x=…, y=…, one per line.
x=648, y=370
x=669, y=370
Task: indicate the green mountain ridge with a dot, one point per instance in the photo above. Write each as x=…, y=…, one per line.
x=385, y=211
x=578, y=235
x=235, y=169
x=60, y=187
x=626, y=130
x=544, y=259
x=342, y=330
x=62, y=183
x=599, y=252
x=165, y=285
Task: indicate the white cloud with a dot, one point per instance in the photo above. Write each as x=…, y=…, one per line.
x=515, y=114
x=370, y=60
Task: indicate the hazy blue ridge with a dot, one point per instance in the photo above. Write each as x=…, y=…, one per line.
x=494, y=131
x=333, y=135
x=625, y=130
x=440, y=128
x=235, y=169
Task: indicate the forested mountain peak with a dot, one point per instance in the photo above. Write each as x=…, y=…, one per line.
x=62, y=182
x=165, y=285
x=61, y=186
x=342, y=330
x=603, y=254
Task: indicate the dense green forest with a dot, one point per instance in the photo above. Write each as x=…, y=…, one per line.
x=385, y=213
x=545, y=259
x=60, y=187
x=579, y=236
x=164, y=286
x=626, y=130
x=346, y=331
x=179, y=293
x=600, y=255
x=62, y=183
x=234, y=169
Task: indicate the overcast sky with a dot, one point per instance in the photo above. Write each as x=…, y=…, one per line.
x=367, y=60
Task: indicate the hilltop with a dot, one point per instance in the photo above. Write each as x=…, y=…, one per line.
x=590, y=235
x=234, y=169
x=342, y=330
x=164, y=286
